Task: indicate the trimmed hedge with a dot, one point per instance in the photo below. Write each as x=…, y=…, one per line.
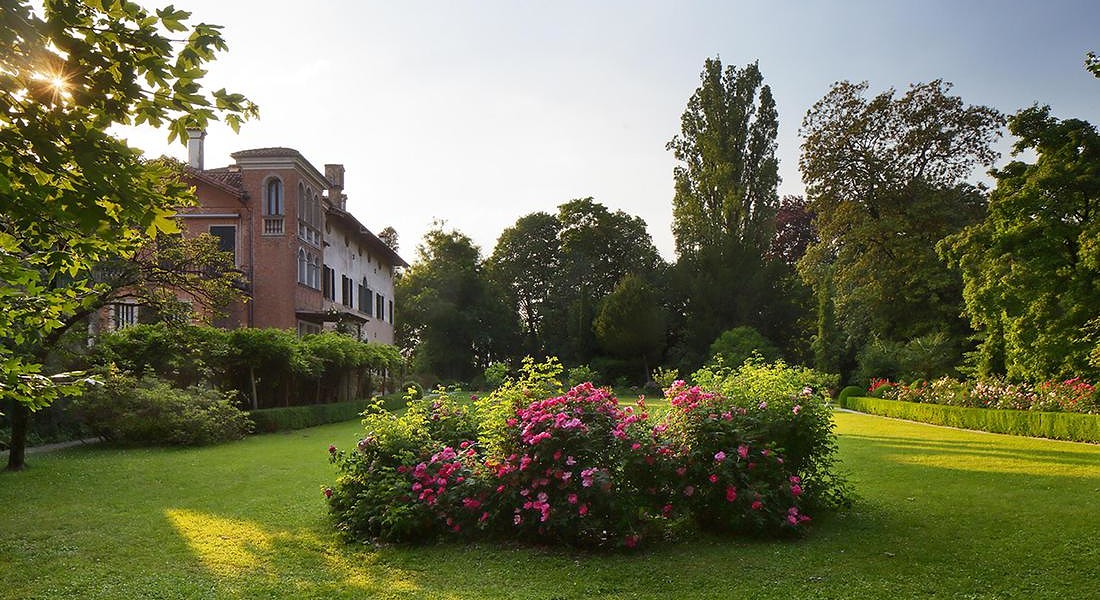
x=1059, y=426
x=270, y=420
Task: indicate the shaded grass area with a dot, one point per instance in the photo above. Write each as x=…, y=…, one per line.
x=941, y=514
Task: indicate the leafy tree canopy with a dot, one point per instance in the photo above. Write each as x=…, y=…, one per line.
x=726, y=182
x=71, y=195
x=1032, y=267
x=453, y=321
x=885, y=180
x=631, y=322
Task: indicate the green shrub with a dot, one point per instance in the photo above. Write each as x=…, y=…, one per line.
x=1060, y=426
x=495, y=374
x=581, y=374
x=664, y=377
x=372, y=496
x=183, y=354
x=734, y=346
x=852, y=390
x=269, y=420
x=412, y=390
x=149, y=411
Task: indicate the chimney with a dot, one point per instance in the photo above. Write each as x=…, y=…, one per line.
x=335, y=176
x=194, y=147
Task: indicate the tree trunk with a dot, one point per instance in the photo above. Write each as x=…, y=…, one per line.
x=20, y=421
x=252, y=380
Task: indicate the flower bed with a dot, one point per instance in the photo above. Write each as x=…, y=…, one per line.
x=1071, y=395
x=536, y=464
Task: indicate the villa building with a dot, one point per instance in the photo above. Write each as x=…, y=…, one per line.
x=310, y=264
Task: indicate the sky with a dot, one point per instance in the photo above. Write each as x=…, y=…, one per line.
x=477, y=113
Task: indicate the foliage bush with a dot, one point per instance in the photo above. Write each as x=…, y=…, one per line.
x=734, y=346
x=412, y=390
x=184, y=355
x=495, y=374
x=535, y=463
x=852, y=390
x=149, y=411
x=267, y=366
x=792, y=411
x=925, y=357
x=665, y=377
x=580, y=374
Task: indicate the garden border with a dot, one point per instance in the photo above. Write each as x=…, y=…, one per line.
x=1074, y=427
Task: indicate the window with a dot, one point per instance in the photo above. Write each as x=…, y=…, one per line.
x=329, y=284
x=366, y=298
x=307, y=328
x=303, y=267
x=391, y=312
x=313, y=275
x=346, y=291
x=125, y=315
x=379, y=307
x=227, y=238
x=273, y=198
x=309, y=223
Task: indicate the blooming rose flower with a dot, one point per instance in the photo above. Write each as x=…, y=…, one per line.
x=328, y=492
x=719, y=456
x=713, y=478
x=731, y=493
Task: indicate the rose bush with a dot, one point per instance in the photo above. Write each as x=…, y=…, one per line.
x=531, y=462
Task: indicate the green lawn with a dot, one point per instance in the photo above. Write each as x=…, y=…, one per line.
x=941, y=514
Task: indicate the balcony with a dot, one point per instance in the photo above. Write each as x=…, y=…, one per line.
x=273, y=226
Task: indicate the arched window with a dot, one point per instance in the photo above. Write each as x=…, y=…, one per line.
x=273, y=205
x=316, y=211
x=313, y=275
x=303, y=267
x=302, y=201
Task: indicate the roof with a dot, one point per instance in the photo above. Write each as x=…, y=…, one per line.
x=276, y=151
x=373, y=240
x=230, y=177
x=223, y=179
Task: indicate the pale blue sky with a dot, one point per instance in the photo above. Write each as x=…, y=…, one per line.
x=480, y=112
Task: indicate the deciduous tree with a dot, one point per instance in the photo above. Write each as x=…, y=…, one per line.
x=72, y=196
x=527, y=262
x=885, y=181
x=453, y=321
x=1032, y=266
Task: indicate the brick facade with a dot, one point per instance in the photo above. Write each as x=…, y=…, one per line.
x=289, y=228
